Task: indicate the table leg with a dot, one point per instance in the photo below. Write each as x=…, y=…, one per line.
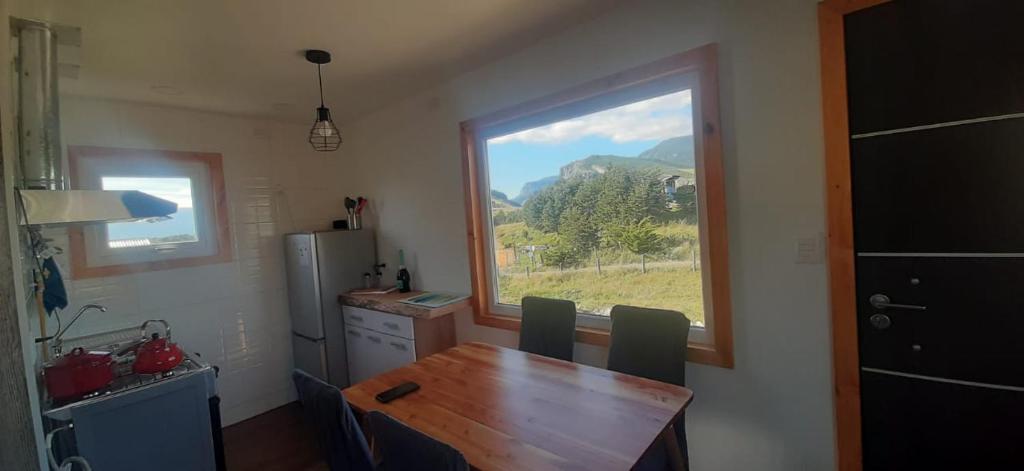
x=675, y=454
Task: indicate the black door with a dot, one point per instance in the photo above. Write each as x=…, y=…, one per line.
x=936, y=99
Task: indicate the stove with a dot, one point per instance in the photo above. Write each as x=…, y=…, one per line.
x=125, y=379
x=170, y=421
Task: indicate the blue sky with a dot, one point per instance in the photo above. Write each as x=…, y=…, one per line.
x=627, y=130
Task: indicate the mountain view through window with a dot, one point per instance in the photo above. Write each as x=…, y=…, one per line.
x=600, y=209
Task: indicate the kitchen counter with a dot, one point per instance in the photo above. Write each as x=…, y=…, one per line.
x=389, y=303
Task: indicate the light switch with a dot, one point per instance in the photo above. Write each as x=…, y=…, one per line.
x=810, y=250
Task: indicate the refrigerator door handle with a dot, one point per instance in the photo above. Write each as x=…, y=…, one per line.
x=311, y=339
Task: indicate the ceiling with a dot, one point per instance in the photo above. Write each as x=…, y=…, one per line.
x=245, y=57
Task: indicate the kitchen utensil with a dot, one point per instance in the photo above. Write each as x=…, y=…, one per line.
x=78, y=373
x=158, y=354
x=360, y=204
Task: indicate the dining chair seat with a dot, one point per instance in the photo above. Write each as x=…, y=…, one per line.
x=403, y=448
x=337, y=430
x=548, y=327
x=651, y=343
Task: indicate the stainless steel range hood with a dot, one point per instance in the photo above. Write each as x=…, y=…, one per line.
x=49, y=207
x=43, y=187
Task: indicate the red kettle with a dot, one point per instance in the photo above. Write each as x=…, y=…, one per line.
x=158, y=354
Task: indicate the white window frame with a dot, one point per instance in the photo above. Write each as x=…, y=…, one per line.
x=698, y=333
x=711, y=345
x=98, y=251
x=91, y=255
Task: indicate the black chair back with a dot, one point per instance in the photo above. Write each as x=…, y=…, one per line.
x=548, y=327
x=337, y=430
x=651, y=343
x=403, y=448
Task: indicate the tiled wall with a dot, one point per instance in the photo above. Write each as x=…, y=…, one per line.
x=234, y=314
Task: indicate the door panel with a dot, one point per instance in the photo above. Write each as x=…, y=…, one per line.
x=972, y=327
x=303, y=285
x=310, y=356
x=915, y=62
x=950, y=189
x=950, y=426
x=939, y=229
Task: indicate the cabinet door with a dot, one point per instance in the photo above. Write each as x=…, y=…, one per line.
x=397, y=352
x=372, y=353
x=388, y=352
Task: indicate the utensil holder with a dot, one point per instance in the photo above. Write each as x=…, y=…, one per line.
x=355, y=221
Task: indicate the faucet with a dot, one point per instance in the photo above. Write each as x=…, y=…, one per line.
x=56, y=340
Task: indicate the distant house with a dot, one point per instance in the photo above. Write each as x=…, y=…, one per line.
x=670, y=184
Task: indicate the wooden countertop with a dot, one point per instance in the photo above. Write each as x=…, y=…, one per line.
x=389, y=303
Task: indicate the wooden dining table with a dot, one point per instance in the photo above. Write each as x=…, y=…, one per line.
x=509, y=410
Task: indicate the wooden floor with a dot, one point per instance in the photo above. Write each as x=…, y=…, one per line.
x=275, y=440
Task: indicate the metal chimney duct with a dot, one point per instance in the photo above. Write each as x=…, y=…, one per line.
x=39, y=114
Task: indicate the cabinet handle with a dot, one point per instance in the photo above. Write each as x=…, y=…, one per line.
x=354, y=333
x=355, y=317
x=373, y=339
x=399, y=346
x=391, y=325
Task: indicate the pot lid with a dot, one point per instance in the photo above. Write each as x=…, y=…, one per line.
x=79, y=356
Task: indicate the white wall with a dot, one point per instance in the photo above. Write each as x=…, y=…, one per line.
x=774, y=410
x=235, y=314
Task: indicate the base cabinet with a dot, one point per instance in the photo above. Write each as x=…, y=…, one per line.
x=377, y=342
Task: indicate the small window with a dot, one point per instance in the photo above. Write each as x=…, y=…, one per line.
x=608, y=193
x=196, y=234
x=176, y=229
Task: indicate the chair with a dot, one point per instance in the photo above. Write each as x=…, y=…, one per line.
x=651, y=343
x=337, y=430
x=402, y=448
x=548, y=327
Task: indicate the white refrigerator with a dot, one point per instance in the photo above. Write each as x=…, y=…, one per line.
x=320, y=266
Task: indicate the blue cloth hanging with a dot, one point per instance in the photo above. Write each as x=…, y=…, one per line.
x=55, y=295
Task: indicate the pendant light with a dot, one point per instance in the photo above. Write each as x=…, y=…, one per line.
x=324, y=137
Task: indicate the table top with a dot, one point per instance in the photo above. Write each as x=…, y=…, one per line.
x=389, y=302
x=509, y=410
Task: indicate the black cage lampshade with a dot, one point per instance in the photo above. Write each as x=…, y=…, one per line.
x=324, y=136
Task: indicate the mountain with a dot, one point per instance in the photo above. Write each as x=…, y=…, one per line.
x=673, y=156
x=598, y=164
x=499, y=199
x=531, y=188
x=677, y=151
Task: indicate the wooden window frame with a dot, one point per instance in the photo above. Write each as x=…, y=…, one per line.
x=701, y=63
x=839, y=208
x=213, y=162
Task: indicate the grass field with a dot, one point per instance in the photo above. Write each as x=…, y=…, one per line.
x=667, y=285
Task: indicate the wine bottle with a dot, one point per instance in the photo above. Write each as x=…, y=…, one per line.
x=404, y=280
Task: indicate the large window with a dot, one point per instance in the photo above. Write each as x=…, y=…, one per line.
x=609, y=193
x=194, y=235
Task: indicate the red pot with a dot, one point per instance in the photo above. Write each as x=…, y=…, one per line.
x=78, y=373
x=157, y=355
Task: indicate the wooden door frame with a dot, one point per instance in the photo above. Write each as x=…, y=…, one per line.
x=839, y=204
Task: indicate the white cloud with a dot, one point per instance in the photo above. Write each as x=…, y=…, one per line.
x=655, y=119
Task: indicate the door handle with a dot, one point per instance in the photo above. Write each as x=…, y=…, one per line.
x=881, y=301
